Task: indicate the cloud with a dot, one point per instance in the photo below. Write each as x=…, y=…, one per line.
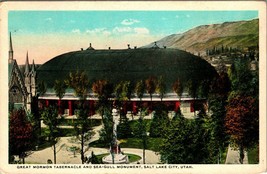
x=122, y=30
x=141, y=30
x=106, y=33
x=76, y=31
x=96, y=30
x=72, y=21
x=48, y=19
x=163, y=18
x=129, y=21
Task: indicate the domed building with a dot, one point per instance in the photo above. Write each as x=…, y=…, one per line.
x=131, y=64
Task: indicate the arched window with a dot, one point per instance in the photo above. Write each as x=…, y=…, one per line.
x=15, y=95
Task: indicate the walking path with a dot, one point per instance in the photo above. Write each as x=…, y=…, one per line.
x=66, y=156
x=233, y=157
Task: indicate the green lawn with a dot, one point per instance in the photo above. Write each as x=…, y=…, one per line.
x=71, y=122
x=63, y=132
x=146, y=121
x=253, y=155
x=132, y=157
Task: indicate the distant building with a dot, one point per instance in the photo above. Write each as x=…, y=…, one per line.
x=22, y=85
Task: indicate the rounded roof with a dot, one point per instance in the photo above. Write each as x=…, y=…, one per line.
x=127, y=64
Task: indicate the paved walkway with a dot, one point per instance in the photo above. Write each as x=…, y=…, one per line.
x=66, y=156
x=233, y=157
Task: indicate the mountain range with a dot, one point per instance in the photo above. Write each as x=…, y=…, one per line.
x=197, y=40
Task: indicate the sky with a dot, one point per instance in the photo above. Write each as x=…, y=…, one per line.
x=46, y=34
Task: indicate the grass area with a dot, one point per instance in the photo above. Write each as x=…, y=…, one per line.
x=132, y=157
x=71, y=122
x=133, y=124
x=253, y=155
x=63, y=132
x=152, y=143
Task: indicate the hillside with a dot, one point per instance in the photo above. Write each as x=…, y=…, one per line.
x=231, y=34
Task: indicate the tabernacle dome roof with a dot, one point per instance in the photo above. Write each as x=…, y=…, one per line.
x=127, y=64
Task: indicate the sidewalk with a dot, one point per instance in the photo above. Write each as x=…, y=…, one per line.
x=233, y=157
x=65, y=156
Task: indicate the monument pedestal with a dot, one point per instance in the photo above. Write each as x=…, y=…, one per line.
x=118, y=159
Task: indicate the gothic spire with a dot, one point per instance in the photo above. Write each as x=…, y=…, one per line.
x=27, y=67
x=10, y=49
x=33, y=67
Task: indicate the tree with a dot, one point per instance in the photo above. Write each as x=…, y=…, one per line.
x=52, y=121
x=192, y=91
x=178, y=88
x=103, y=89
x=106, y=133
x=160, y=121
x=241, y=77
x=140, y=131
x=60, y=88
x=124, y=129
x=150, y=86
x=93, y=159
x=127, y=90
x=82, y=128
x=217, y=99
x=204, y=88
x=140, y=89
x=192, y=88
x=184, y=142
x=42, y=88
x=20, y=134
x=161, y=87
x=216, y=128
x=123, y=92
x=143, y=136
x=242, y=122
x=79, y=82
x=118, y=91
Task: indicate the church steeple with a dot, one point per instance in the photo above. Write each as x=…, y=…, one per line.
x=33, y=67
x=33, y=79
x=10, y=58
x=27, y=66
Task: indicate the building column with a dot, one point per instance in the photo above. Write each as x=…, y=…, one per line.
x=91, y=107
x=125, y=107
x=192, y=106
x=177, y=106
x=46, y=103
x=59, y=107
x=134, y=107
x=70, y=108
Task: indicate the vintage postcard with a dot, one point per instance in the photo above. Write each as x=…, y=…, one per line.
x=136, y=87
